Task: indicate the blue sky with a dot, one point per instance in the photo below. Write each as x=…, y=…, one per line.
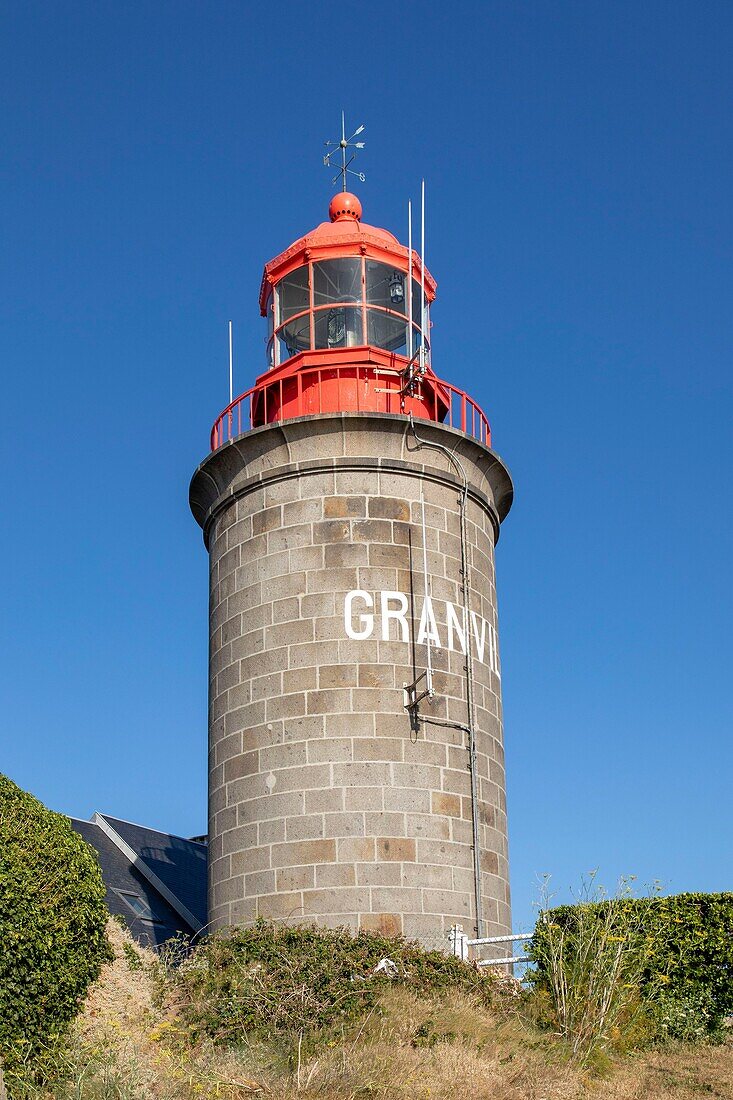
x=579, y=179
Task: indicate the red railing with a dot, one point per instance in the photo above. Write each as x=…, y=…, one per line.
x=318, y=390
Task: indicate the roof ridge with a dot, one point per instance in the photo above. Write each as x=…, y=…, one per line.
x=137, y=825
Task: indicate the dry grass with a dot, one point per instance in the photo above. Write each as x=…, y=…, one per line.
x=121, y=1001
x=441, y=1050
x=497, y=1058
x=127, y=1048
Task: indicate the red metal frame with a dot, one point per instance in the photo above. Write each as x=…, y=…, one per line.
x=371, y=388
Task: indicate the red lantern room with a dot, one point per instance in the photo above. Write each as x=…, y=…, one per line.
x=348, y=314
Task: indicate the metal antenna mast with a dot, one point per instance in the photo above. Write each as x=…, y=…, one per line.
x=342, y=146
x=231, y=366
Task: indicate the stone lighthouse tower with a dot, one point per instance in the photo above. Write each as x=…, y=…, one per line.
x=350, y=505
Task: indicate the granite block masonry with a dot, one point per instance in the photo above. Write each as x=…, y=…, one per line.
x=323, y=804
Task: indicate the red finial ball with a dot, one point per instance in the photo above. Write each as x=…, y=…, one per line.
x=344, y=205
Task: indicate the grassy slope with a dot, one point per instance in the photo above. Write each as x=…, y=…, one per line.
x=127, y=1048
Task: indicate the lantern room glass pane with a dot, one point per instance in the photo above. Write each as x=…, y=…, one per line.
x=418, y=339
x=293, y=294
x=339, y=327
x=385, y=286
x=269, y=314
x=293, y=337
x=416, y=304
x=386, y=331
x=337, y=281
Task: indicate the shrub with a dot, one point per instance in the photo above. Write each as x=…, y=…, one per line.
x=52, y=928
x=690, y=945
x=675, y=954
x=689, y=1019
x=272, y=981
x=590, y=959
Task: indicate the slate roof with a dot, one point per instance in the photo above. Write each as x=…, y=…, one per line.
x=155, y=880
x=179, y=863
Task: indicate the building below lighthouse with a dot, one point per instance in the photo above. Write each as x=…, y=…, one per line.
x=351, y=504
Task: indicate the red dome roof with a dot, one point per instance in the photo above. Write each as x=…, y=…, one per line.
x=344, y=205
x=344, y=235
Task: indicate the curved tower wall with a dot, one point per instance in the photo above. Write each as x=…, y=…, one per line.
x=322, y=806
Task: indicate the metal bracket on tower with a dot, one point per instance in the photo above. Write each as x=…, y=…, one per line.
x=413, y=696
x=413, y=374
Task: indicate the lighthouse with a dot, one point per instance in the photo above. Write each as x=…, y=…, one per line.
x=351, y=504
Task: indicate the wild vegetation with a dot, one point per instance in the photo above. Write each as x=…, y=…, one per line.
x=295, y=1012
x=280, y=983
x=618, y=969
x=636, y=993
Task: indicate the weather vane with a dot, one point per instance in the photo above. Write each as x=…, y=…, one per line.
x=346, y=160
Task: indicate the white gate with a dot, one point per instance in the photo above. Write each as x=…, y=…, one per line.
x=461, y=944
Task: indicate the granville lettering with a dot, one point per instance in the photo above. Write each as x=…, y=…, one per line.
x=386, y=615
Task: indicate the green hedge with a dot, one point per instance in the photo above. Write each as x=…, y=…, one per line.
x=688, y=944
x=52, y=927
